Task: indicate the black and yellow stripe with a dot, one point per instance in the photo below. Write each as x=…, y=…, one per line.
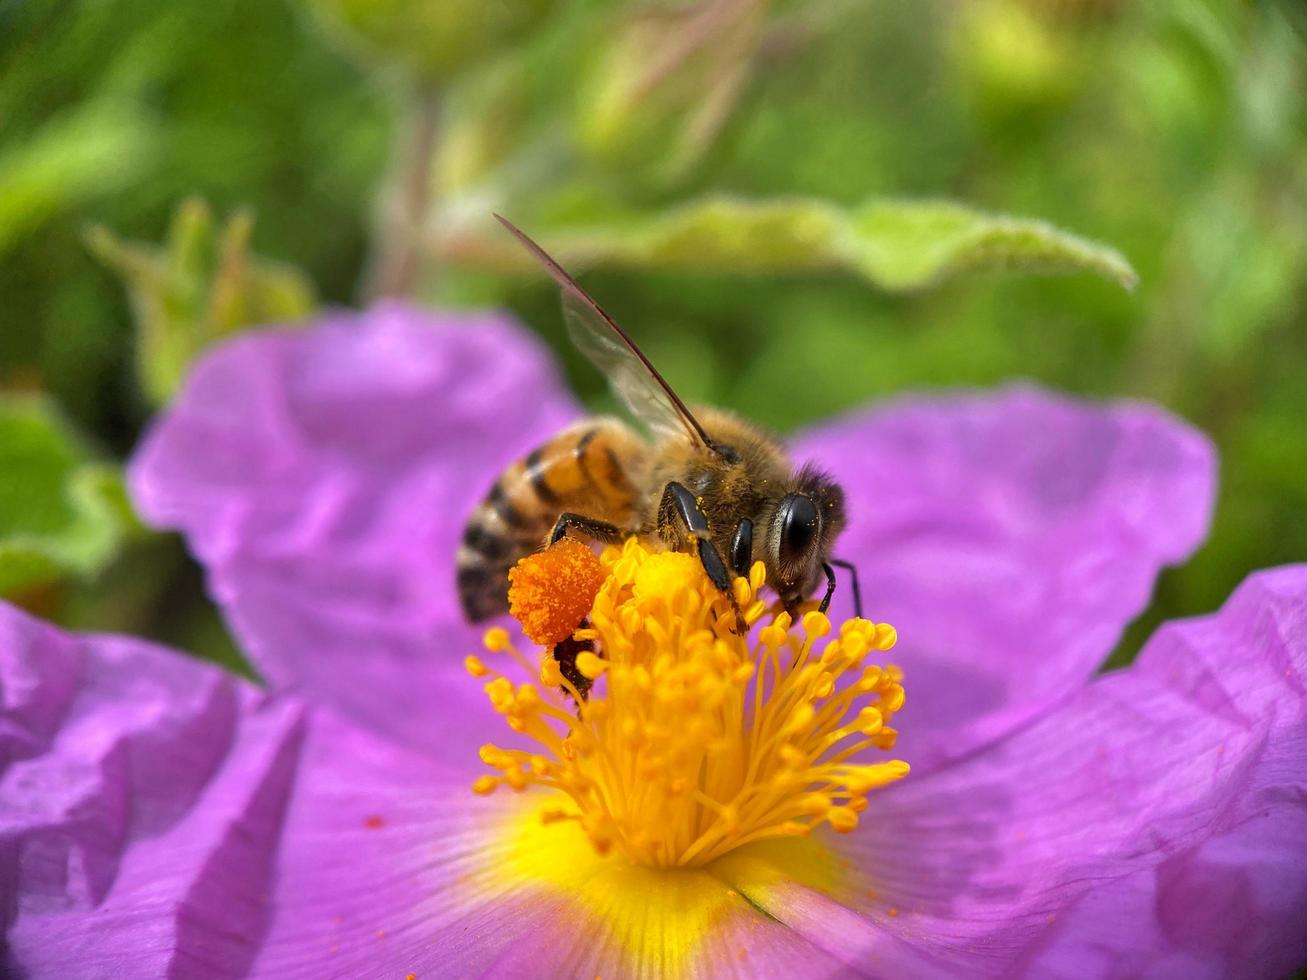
x=590, y=468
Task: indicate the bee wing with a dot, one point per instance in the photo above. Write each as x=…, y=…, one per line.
x=630, y=374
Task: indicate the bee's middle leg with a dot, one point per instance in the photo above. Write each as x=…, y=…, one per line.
x=592, y=527
x=742, y=548
x=678, y=502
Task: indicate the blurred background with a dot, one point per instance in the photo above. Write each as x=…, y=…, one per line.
x=1107, y=197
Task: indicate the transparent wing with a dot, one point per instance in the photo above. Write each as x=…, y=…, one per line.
x=630, y=379
x=630, y=374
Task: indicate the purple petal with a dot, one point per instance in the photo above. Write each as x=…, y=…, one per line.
x=1232, y=906
x=141, y=800
x=390, y=865
x=1154, y=824
x=1009, y=538
x=323, y=477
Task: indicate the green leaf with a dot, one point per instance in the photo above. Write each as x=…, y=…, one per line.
x=902, y=245
x=61, y=512
x=894, y=245
x=203, y=284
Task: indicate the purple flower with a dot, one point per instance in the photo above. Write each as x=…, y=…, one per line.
x=159, y=817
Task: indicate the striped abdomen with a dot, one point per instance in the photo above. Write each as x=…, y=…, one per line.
x=590, y=468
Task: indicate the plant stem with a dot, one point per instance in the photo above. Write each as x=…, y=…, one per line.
x=396, y=255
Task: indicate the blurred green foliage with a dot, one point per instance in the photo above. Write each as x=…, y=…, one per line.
x=433, y=41
x=200, y=287
x=790, y=204
x=61, y=512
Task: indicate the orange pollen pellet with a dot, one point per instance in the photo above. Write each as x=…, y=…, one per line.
x=551, y=591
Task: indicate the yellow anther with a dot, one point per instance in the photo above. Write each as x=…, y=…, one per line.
x=863, y=779
x=485, y=785
x=870, y=720
x=815, y=624
x=816, y=804
x=475, y=667
x=589, y=665
x=496, y=639
x=842, y=818
x=551, y=675
x=631, y=620
x=641, y=678
x=893, y=699
x=528, y=698
x=869, y=680
x=740, y=590
x=800, y=719
x=792, y=758
x=886, y=636
x=855, y=645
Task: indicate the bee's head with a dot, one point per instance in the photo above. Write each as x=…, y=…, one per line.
x=805, y=523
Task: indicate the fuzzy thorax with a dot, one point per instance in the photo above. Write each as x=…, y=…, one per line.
x=695, y=740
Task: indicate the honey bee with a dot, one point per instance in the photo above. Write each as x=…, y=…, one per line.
x=708, y=483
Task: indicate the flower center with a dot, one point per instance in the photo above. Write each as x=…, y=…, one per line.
x=692, y=741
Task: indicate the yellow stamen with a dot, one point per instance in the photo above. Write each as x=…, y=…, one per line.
x=693, y=743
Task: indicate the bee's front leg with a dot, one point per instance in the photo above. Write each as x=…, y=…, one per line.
x=849, y=567
x=830, y=587
x=679, y=506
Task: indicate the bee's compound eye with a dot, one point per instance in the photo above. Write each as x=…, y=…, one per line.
x=799, y=522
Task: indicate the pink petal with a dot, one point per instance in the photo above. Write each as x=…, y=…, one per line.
x=323, y=478
x=140, y=807
x=1009, y=538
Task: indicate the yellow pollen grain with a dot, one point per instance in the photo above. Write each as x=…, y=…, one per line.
x=694, y=740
